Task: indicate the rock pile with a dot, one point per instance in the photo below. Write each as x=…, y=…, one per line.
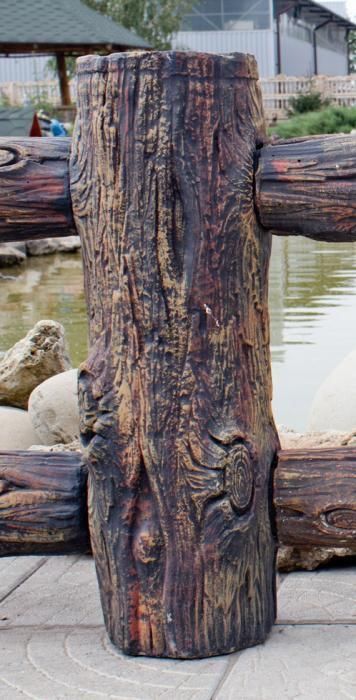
x=16, y=253
x=38, y=392
x=35, y=358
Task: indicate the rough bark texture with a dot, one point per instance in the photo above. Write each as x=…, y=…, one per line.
x=34, y=188
x=43, y=505
x=315, y=497
x=175, y=396
x=307, y=187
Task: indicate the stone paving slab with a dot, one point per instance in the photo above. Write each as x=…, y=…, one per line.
x=80, y=662
x=311, y=662
x=16, y=570
x=318, y=596
x=62, y=591
x=53, y=644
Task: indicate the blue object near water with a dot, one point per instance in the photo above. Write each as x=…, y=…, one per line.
x=57, y=129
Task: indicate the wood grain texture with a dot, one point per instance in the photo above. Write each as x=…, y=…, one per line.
x=175, y=395
x=43, y=507
x=315, y=497
x=34, y=188
x=307, y=187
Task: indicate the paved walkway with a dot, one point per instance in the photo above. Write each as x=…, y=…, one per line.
x=53, y=644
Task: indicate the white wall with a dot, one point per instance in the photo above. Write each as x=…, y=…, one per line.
x=297, y=57
x=23, y=69
x=331, y=63
x=258, y=42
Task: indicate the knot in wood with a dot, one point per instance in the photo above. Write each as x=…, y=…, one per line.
x=147, y=545
x=8, y=156
x=4, y=486
x=342, y=519
x=239, y=481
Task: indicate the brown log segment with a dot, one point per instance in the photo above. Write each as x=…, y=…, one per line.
x=34, y=188
x=307, y=187
x=43, y=500
x=43, y=507
x=315, y=497
x=175, y=396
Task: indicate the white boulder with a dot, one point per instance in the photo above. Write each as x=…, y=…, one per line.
x=334, y=404
x=53, y=409
x=41, y=354
x=16, y=430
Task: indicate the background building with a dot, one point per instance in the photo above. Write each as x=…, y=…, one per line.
x=290, y=37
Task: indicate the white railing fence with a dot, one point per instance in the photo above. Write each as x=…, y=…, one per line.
x=276, y=92
x=36, y=92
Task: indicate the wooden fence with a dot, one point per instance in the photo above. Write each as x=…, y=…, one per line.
x=187, y=489
x=276, y=92
x=33, y=92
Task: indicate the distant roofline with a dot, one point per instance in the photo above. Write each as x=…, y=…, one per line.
x=322, y=10
x=7, y=48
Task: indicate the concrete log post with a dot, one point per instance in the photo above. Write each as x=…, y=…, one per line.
x=175, y=395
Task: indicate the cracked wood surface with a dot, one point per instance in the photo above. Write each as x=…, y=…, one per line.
x=42, y=503
x=307, y=187
x=34, y=188
x=315, y=497
x=175, y=395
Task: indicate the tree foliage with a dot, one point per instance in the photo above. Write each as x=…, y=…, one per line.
x=154, y=20
x=332, y=120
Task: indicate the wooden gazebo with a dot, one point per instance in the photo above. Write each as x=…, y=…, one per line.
x=62, y=28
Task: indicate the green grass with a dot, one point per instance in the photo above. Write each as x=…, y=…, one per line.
x=332, y=120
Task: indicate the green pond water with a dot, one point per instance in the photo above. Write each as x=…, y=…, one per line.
x=312, y=309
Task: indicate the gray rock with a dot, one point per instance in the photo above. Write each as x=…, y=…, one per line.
x=59, y=447
x=297, y=558
x=16, y=431
x=291, y=440
x=41, y=354
x=48, y=246
x=11, y=255
x=53, y=409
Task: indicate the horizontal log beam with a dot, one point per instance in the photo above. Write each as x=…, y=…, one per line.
x=43, y=506
x=34, y=189
x=304, y=186
x=43, y=500
x=307, y=187
x=315, y=497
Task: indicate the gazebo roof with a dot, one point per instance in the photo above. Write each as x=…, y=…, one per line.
x=60, y=25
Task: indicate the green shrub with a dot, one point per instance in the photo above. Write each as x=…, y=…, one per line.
x=307, y=102
x=332, y=120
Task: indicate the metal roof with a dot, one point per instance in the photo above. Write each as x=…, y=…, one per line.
x=60, y=23
x=314, y=12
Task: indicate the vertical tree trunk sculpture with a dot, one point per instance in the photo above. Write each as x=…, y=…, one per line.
x=175, y=396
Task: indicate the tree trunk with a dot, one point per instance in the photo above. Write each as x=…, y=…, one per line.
x=43, y=507
x=63, y=80
x=34, y=189
x=315, y=497
x=175, y=396
x=307, y=187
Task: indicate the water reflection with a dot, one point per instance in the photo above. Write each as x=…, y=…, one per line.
x=312, y=309
x=45, y=287
x=313, y=313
